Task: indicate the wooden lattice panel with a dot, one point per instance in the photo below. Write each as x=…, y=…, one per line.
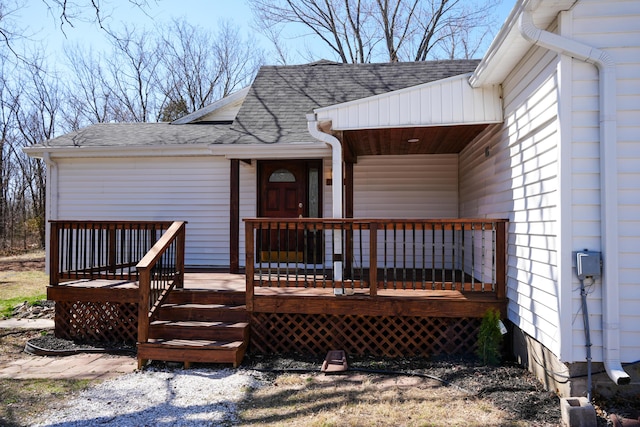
x=97, y=322
x=379, y=336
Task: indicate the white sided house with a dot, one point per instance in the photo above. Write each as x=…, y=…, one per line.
x=542, y=132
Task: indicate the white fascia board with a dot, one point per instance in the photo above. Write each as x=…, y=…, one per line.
x=314, y=150
x=508, y=47
x=234, y=97
x=130, y=151
x=429, y=104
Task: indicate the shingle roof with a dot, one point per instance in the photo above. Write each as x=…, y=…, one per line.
x=275, y=107
x=139, y=134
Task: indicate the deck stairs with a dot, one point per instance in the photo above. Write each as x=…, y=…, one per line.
x=198, y=325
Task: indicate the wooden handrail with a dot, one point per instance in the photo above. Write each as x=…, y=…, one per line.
x=159, y=271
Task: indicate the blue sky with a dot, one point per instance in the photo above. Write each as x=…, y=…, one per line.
x=206, y=13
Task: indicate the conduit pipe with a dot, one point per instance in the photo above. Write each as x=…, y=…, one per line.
x=608, y=179
x=336, y=188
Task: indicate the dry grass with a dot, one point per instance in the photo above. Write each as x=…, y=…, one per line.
x=21, y=400
x=365, y=400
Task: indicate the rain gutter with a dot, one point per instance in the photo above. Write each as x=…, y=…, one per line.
x=336, y=188
x=608, y=180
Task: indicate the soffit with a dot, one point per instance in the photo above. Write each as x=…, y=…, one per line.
x=395, y=141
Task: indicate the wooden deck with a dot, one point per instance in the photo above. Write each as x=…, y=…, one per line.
x=275, y=299
x=127, y=282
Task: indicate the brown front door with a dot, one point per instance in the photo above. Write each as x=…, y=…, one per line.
x=284, y=187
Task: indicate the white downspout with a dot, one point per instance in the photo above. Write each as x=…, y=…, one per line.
x=336, y=188
x=51, y=198
x=608, y=180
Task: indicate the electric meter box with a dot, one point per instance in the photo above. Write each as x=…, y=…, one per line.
x=588, y=264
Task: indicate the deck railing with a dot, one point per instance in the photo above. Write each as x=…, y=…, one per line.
x=100, y=249
x=468, y=255
x=161, y=269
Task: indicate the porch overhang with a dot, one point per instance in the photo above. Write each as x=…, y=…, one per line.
x=433, y=118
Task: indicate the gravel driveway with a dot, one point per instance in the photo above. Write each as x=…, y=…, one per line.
x=193, y=397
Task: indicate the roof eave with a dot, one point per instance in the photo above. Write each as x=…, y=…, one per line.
x=121, y=151
x=508, y=47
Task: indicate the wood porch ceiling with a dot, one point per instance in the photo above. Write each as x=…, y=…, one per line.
x=394, y=141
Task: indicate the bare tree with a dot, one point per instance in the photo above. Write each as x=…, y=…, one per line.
x=388, y=30
x=199, y=67
x=36, y=114
x=133, y=77
x=88, y=96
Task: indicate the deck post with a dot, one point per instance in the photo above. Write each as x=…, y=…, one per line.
x=180, y=257
x=54, y=254
x=143, y=307
x=234, y=217
x=501, y=260
x=249, y=272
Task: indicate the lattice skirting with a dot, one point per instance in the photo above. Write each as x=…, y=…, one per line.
x=99, y=322
x=360, y=335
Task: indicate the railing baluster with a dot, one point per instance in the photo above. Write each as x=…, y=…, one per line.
x=482, y=254
x=373, y=259
x=413, y=252
x=433, y=257
x=384, y=260
x=493, y=257
x=259, y=244
x=404, y=255
x=424, y=261
x=473, y=256
x=361, y=257
x=453, y=257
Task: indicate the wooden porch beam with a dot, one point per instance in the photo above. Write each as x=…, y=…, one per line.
x=234, y=217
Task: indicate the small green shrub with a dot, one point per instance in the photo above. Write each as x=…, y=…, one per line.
x=490, y=338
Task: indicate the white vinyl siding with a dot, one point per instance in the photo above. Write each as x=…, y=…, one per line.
x=613, y=26
x=511, y=171
x=193, y=189
x=406, y=187
x=418, y=186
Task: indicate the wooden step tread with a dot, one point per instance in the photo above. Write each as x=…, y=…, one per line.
x=199, y=324
x=195, y=344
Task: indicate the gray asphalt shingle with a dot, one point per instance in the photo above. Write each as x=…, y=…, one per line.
x=139, y=134
x=280, y=97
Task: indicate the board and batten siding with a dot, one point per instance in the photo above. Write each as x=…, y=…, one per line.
x=613, y=26
x=511, y=171
x=193, y=189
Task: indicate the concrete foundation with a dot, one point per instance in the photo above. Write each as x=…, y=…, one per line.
x=567, y=379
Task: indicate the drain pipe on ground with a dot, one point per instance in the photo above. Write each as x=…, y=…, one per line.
x=608, y=180
x=336, y=188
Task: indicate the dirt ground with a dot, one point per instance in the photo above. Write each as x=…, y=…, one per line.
x=432, y=392
x=31, y=261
